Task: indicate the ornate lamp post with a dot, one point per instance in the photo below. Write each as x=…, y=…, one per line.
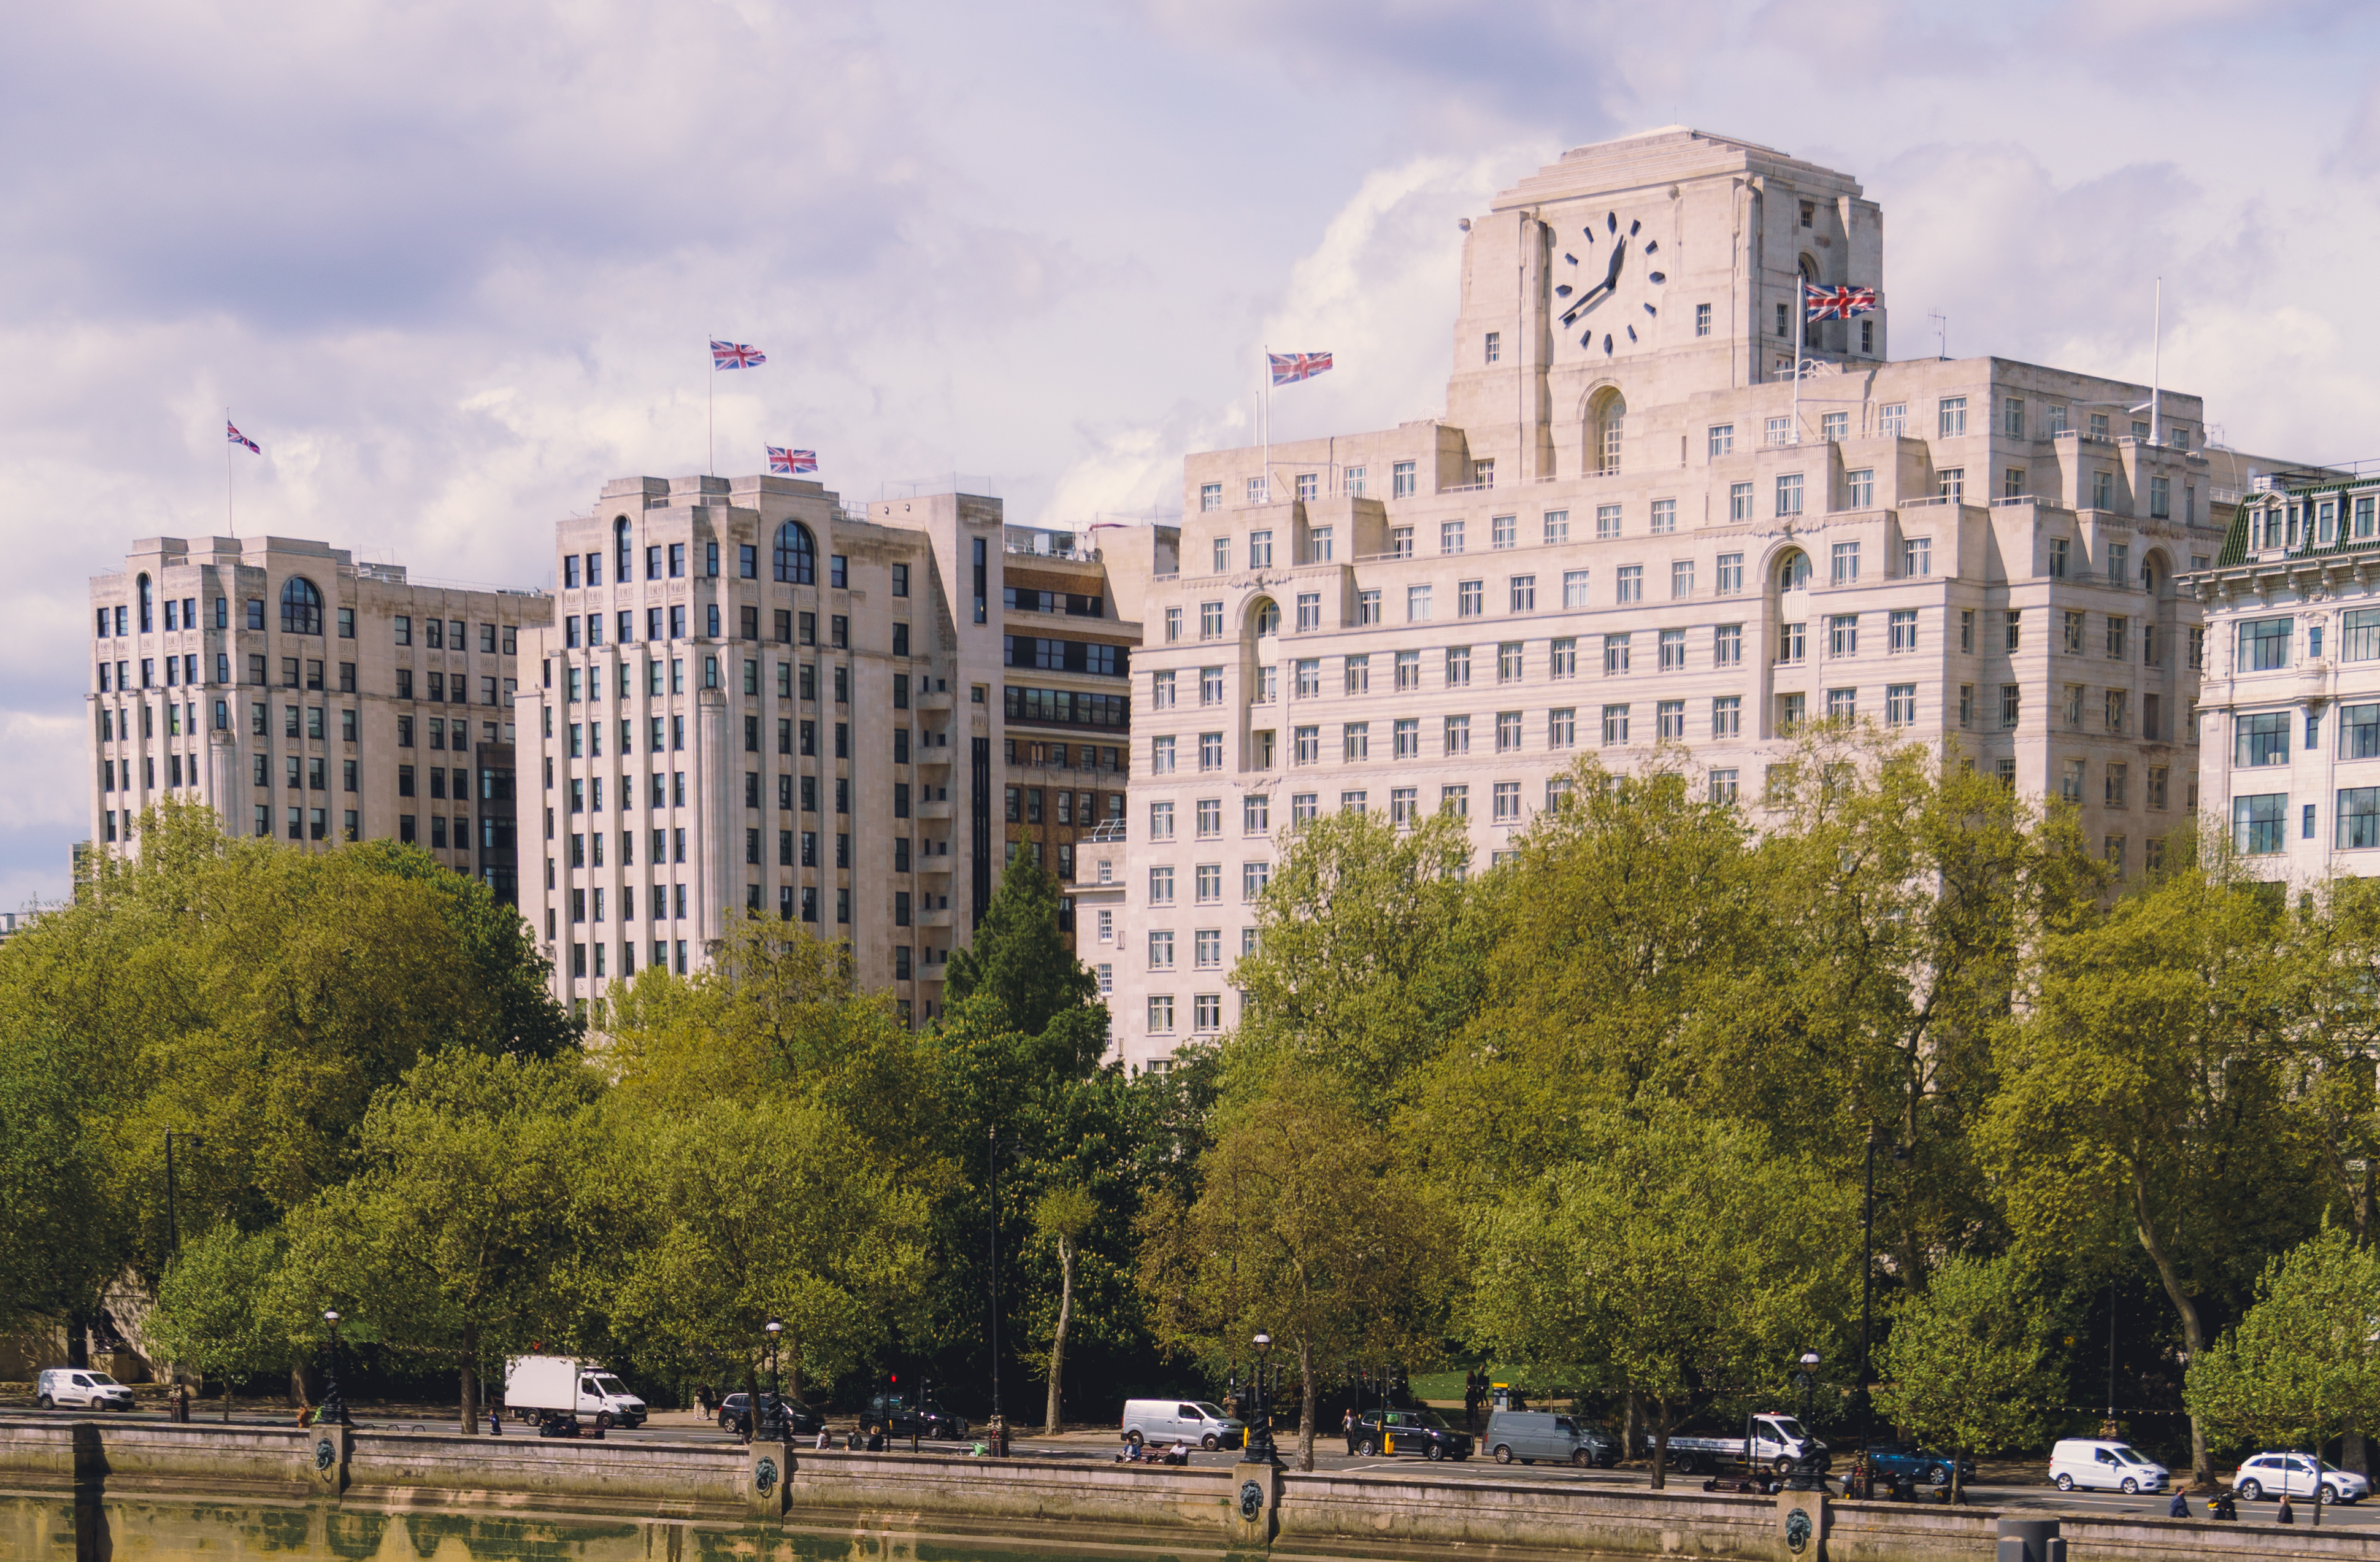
x=334, y=1407
x=1805, y=1469
x=1259, y=1448
x=772, y=1424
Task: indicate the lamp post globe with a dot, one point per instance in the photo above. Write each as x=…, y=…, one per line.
x=1258, y=1446
x=335, y=1408
x=773, y=1423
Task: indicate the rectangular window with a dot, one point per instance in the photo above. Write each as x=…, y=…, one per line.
x=1682, y=578
x=2259, y=824
x=1260, y=550
x=1792, y=642
x=1504, y=531
x=1899, y=704
x=1730, y=575
x=1727, y=715
x=1400, y=481
x=1615, y=653
x=1615, y=726
x=1722, y=435
x=1309, y=611
x=1844, y=561
x=1524, y=593
x=1210, y=497
x=2261, y=739
x=2359, y=818
x=1953, y=417
x=1309, y=487
x=2359, y=732
x=1563, y=657
x=1449, y=536
x=1508, y=802
x=1508, y=731
x=2011, y=704
x=1671, y=721
x=1352, y=480
x=2264, y=644
x=1469, y=599
x=1671, y=644
x=1739, y=501
x=1557, y=526
x=1356, y=741
x=1629, y=584
x=1573, y=588
x=1458, y=736
x=1368, y=607
x=1903, y=625
x=2014, y=625
x=1305, y=745
x=1789, y=494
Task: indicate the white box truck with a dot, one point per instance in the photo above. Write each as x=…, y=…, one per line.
x=539, y=1386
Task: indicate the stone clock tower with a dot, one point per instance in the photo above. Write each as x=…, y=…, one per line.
x=1606, y=291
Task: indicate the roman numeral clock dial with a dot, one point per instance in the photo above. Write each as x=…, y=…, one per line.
x=1608, y=287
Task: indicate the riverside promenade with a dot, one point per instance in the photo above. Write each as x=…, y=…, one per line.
x=94, y=1490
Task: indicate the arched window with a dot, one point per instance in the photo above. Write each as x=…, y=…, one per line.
x=620, y=573
x=301, y=607
x=797, y=554
x=1794, y=570
x=1606, y=419
x=1267, y=616
x=144, y=604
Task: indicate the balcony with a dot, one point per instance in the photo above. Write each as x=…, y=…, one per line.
x=936, y=866
x=939, y=808
x=1109, y=832
x=931, y=698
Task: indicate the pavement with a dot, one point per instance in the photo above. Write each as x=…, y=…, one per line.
x=2001, y=1487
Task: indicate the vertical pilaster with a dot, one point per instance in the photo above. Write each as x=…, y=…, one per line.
x=717, y=825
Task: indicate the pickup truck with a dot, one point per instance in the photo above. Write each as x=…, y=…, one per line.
x=1779, y=1442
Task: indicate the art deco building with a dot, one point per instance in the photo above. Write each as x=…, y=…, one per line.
x=304, y=696
x=1637, y=525
x=757, y=700
x=2291, y=757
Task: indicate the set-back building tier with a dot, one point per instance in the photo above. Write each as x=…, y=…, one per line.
x=1639, y=527
x=757, y=701
x=305, y=696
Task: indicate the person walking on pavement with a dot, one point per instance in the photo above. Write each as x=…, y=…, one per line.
x=2179, y=1507
x=2287, y=1515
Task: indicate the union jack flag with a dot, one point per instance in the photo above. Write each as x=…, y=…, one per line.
x=1838, y=303
x=235, y=437
x=1290, y=366
x=783, y=460
x=736, y=355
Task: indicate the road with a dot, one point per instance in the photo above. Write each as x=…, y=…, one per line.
x=1100, y=1447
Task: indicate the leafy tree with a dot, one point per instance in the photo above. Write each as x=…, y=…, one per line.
x=446, y=1240
x=1063, y=1215
x=1019, y=958
x=1306, y=1227
x=1679, y=1248
x=214, y=1313
x=65, y=1240
x=1362, y=963
x=2303, y=1363
x=1968, y=1360
x=2140, y=1077
x=774, y=1210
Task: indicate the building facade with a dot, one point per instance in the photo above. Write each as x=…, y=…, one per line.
x=757, y=700
x=307, y=696
x=2290, y=757
x=1637, y=525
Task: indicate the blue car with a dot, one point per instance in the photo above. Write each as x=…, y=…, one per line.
x=1922, y=1465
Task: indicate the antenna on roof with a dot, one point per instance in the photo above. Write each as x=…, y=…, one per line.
x=1942, y=332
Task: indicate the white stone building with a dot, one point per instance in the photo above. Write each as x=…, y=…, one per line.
x=756, y=700
x=305, y=696
x=2291, y=757
x=1633, y=528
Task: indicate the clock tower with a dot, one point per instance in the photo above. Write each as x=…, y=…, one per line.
x=1604, y=292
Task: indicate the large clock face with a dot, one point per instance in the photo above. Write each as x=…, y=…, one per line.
x=1608, y=284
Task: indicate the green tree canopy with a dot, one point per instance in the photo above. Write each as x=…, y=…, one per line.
x=1019, y=958
x=215, y=1315
x=1967, y=1361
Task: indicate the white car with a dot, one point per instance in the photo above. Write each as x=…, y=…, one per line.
x=81, y=1385
x=2270, y=1474
x=2104, y=1465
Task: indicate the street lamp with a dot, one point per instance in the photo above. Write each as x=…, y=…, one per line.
x=1257, y=1446
x=334, y=1407
x=774, y=1423
x=173, y=1224
x=1805, y=1465
x=1868, y=1280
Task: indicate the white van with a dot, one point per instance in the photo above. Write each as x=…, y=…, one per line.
x=539, y=1387
x=81, y=1385
x=2097, y=1465
x=1163, y=1421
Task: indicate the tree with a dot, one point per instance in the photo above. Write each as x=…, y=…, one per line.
x=1967, y=1361
x=446, y=1240
x=2140, y=1076
x=2303, y=1363
x=214, y=1313
x=1063, y=1216
x=1019, y=957
x=1361, y=965
x=66, y=1240
x=1306, y=1227
x=774, y=1210
x=1679, y=1249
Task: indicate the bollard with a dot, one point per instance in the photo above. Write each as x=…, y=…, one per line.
x=2029, y=1539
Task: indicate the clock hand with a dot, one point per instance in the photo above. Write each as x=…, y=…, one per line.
x=1595, y=294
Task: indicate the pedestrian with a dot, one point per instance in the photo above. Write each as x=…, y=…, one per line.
x=2179, y=1507
x=702, y=1399
x=2287, y=1515
x=495, y=1421
x=821, y=1437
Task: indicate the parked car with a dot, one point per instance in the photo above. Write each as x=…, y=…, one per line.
x=2105, y=1466
x=1888, y=1461
x=1531, y=1436
x=1421, y=1432
x=81, y=1385
x=1168, y=1421
x=800, y=1420
x=895, y=1416
x=2271, y=1474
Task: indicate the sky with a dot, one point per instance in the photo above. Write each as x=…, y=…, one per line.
x=453, y=265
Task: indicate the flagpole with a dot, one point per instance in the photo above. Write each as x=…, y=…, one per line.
x=2156, y=348
x=1801, y=329
x=710, y=415
x=229, y=524
x=1264, y=396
